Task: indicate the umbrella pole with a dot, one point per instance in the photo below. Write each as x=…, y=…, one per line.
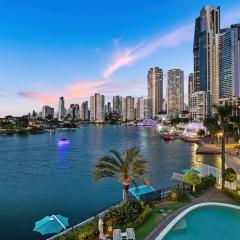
x=54, y=216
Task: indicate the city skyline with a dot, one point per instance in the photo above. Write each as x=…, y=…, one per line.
x=36, y=72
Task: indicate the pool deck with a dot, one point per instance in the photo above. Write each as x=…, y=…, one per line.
x=211, y=195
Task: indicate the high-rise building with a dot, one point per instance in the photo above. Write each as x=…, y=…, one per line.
x=74, y=111
x=190, y=88
x=229, y=62
x=205, y=51
x=128, y=110
x=108, y=108
x=47, y=112
x=155, y=89
x=175, y=93
x=84, y=111
x=117, y=104
x=143, y=111
x=198, y=106
x=97, y=111
x=61, y=109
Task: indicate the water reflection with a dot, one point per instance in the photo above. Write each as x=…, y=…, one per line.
x=210, y=159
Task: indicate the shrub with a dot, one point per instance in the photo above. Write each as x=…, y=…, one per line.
x=230, y=175
x=124, y=214
x=178, y=195
x=192, y=179
x=205, y=183
x=235, y=194
x=88, y=231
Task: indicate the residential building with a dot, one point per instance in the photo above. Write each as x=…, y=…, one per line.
x=175, y=93
x=61, y=109
x=229, y=62
x=198, y=106
x=74, y=111
x=108, y=108
x=47, y=112
x=128, y=110
x=84, y=111
x=117, y=104
x=190, y=88
x=143, y=111
x=97, y=111
x=205, y=51
x=155, y=89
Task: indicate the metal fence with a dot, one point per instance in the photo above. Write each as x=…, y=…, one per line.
x=162, y=193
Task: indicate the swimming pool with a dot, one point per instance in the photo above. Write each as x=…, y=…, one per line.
x=205, y=221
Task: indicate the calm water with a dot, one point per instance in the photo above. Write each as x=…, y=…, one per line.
x=214, y=222
x=38, y=178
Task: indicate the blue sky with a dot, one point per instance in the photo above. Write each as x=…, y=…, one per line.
x=75, y=48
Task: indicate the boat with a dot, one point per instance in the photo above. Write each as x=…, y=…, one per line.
x=168, y=137
x=63, y=141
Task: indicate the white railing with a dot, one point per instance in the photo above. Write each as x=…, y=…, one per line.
x=177, y=177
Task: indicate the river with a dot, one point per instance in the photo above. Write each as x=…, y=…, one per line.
x=38, y=177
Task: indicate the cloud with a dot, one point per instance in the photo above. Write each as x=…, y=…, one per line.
x=42, y=97
x=83, y=89
x=78, y=90
x=127, y=56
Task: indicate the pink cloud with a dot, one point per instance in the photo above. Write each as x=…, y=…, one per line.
x=127, y=56
x=44, y=98
x=78, y=90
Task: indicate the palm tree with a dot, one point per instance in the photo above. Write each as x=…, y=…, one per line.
x=126, y=167
x=223, y=112
x=211, y=124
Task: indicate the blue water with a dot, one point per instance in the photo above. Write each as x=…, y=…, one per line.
x=38, y=178
x=208, y=223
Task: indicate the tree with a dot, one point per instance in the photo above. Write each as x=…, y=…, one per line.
x=230, y=175
x=211, y=123
x=223, y=112
x=192, y=179
x=200, y=132
x=126, y=167
x=236, y=123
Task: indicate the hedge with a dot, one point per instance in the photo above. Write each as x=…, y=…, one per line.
x=235, y=194
x=206, y=182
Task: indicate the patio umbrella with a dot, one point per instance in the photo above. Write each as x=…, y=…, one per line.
x=100, y=228
x=51, y=224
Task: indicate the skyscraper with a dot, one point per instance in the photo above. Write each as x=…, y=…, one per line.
x=175, y=93
x=205, y=51
x=190, y=88
x=73, y=111
x=143, y=108
x=155, y=89
x=128, y=110
x=61, y=109
x=229, y=62
x=117, y=104
x=84, y=111
x=97, y=112
x=47, y=112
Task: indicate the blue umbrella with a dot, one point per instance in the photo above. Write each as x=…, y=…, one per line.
x=51, y=224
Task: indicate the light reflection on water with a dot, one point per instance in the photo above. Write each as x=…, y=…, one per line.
x=210, y=159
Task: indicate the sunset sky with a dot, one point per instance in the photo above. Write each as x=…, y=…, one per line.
x=74, y=48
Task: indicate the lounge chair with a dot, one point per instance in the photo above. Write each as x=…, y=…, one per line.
x=130, y=234
x=117, y=234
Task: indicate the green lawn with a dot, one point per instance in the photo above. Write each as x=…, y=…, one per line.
x=154, y=218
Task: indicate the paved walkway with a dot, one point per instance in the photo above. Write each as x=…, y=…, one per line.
x=211, y=195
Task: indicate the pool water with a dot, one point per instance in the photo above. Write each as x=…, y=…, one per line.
x=207, y=222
